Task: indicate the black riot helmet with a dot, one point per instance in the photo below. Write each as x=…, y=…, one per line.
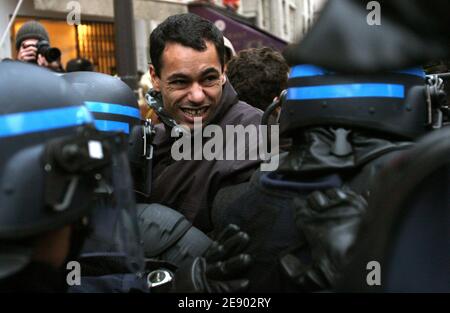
x=393, y=103
x=115, y=108
x=52, y=161
x=110, y=100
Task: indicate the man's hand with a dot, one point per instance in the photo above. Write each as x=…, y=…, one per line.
x=220, y=269
x=41, y=61
x=27, y=53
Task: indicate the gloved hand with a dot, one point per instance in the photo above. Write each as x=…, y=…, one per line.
x=220, y=269
x=329, y=222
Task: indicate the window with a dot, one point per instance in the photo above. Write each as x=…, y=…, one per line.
x=286, y=19
x=96, y=42
x=291, y=16
x=265, y=14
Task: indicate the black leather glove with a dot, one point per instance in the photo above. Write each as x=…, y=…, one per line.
x=220, y=269
x=329, y=222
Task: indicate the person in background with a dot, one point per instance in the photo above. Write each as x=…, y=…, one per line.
x=79, y=65
x=258, y=75
x=28, y=38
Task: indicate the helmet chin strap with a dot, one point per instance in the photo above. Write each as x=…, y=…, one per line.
x=154, y=100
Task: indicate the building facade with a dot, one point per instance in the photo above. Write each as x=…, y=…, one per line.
x=94, y=37
x=286, y=19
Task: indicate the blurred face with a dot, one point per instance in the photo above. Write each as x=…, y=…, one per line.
x=190, y=82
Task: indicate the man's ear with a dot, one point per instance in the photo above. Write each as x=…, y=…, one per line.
x=224, y=78
x=154, y=78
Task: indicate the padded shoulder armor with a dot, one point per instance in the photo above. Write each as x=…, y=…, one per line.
x=167, y=235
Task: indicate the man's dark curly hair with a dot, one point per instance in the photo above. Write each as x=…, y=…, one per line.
x=189, y=30
x=258, y=75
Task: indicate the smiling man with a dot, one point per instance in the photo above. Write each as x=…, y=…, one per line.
x=187, y=68
x=190, y=82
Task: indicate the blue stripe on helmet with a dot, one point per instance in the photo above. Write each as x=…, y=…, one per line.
x=21, y=123
x=346, y=91
x=112, y=126
x=307, y=70
x=103, y=107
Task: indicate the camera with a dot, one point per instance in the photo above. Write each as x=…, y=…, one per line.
x=50, y=54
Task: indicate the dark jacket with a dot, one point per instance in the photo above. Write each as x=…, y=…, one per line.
x=189, y=186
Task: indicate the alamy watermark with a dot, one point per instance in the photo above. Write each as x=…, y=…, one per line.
x=74, y=15
x=374, y=16
x=373, y=278
x=234, y=143
x=73, y=278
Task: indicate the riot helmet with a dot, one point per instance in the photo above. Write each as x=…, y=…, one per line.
x=115, y=108
x=392, y=103
x=52, y=161
x=112, y=103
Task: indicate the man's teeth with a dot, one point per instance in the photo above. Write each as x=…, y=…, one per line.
x=195, y=113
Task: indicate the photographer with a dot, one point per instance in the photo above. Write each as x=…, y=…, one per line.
x=32, y=45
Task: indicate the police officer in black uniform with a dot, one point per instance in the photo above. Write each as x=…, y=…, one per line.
x=52, y=161
x=304, y=217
